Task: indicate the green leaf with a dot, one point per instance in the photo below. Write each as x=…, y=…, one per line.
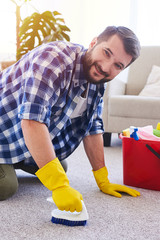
x=50, y=23
x=64, y=27
x=48, y=15
x=56, y=13
x=65, y=36
x=39, y=28
x=60, y=20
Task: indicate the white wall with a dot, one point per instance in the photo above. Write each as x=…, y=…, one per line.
x=86, y=19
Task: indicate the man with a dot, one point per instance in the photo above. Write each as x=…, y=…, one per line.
x=51, y=100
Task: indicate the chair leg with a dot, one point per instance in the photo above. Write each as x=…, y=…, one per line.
x=107, y=139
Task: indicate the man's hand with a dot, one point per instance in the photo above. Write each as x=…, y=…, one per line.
x=105, y=186
x=114, y=189
x=67, y=198
x=53, y=177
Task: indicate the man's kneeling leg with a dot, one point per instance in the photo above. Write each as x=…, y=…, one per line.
x=8, y=181
x=32, y=166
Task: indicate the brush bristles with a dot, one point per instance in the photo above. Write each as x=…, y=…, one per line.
x=68, y=222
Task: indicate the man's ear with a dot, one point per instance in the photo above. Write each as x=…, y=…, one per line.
x=93, y=43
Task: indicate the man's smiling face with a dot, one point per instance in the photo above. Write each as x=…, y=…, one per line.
x=105, y=60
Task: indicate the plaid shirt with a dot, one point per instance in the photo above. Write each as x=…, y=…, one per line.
x=45, y=86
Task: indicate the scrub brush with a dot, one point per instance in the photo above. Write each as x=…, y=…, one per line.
x=69, y=218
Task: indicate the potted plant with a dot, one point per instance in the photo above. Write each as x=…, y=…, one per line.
x=36, y=29
x=41, y=28
x=19, y=4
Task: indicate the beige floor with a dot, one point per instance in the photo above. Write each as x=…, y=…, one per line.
x=27, y=214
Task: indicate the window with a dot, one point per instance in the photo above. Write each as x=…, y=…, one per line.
x=148, y=19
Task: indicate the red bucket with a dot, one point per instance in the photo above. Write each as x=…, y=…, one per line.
x=141, y=163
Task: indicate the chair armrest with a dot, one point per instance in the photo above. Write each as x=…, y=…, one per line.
x=116, y=87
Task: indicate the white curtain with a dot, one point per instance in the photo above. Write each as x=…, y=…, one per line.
x=148, y=22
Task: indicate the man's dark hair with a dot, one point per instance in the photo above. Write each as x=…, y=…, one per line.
x=129, y=39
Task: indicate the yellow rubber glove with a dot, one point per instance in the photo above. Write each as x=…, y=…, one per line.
x=53, y=176
x=105, y=186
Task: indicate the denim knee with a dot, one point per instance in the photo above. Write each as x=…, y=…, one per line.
x=8, y=181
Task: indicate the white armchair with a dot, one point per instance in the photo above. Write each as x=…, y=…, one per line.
x=123, y=107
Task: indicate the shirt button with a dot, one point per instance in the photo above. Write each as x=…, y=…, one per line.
x=76, y=84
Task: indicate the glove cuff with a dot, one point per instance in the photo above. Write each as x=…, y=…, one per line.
x=52, y=175
x=101, y=176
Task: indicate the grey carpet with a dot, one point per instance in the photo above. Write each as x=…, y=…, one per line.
x=27, y=214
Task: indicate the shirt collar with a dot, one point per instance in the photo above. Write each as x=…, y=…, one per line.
x=78, y=76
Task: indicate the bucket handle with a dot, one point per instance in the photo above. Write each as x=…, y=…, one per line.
x=153, y=151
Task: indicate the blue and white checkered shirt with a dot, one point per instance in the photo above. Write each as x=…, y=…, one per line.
x=45, y=86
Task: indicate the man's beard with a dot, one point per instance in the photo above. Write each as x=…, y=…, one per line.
x=87, y=64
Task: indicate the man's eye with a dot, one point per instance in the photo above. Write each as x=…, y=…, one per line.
x=107, y=53
x=118, y=66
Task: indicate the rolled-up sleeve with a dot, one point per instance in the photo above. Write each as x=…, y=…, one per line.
x=33, y=111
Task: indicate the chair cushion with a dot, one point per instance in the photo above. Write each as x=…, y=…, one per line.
x=134, y=106
x=152, y=86
x=141, y=68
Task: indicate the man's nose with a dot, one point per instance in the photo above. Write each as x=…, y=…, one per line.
x=107, y=67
